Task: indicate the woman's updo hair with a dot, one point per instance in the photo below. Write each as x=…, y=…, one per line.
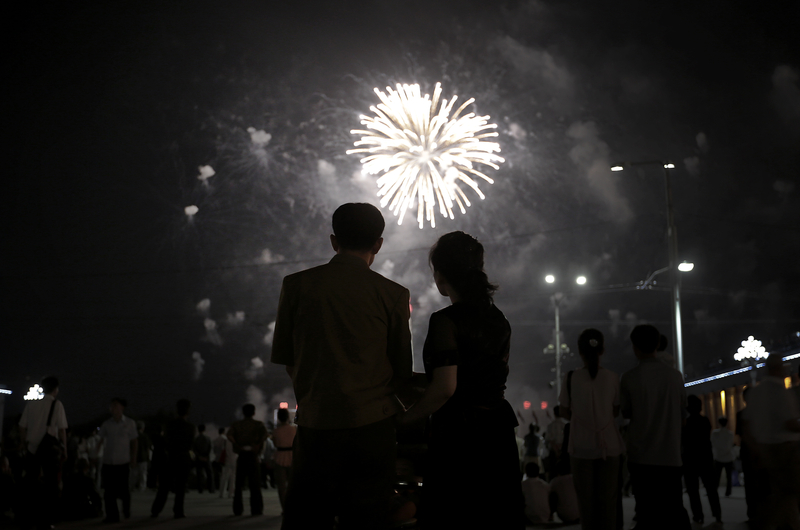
x=591, y=346
x=459, y=258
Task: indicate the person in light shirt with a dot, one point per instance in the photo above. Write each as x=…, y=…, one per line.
x=537, y=495
x=722, y=447
x=590, y=399
x=119, y=437
x=773, y=424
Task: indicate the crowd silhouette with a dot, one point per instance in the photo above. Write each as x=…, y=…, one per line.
x=378, y=446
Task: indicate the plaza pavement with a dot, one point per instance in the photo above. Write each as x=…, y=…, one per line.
x=209, y=512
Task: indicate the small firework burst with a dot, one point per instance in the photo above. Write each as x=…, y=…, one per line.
x=424, y=154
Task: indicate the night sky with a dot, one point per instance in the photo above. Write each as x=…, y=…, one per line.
x=114, y=107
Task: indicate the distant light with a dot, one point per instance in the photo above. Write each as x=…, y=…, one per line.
x=191, y=210
x=722, y=401
x=283, y=405
x=549, y=278
x=617, y=168
x=5, y=391
x=787, y=382
x=751, y=349
x=669, y=166
x=526, y=405
x=35, y=392
x=686, y=266
x=544, y=405
x=580, y=280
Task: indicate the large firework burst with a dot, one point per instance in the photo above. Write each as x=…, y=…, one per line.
x=424, y=154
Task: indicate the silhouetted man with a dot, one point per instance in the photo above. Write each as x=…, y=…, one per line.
x=653, y=398
x=342, y=331
x=178, y=435
x=248, y=437
x=119, y=439
x=201, y=447
x=40, y=419
x=698, y=461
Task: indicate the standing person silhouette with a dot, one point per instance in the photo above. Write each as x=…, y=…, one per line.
x=698, y=462
x=248, y=436
x=43, y=426
x=178, y=438
x=466, y=363
x=284, y=437
x=342, y=331
x=653, y=398
x=590, y=399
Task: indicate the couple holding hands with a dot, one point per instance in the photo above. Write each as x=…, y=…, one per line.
x=342, y=331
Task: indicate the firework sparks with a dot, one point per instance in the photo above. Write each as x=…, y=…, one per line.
x=424, y=154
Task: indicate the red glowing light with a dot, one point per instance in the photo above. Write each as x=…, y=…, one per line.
x=544, y=405
x=284, y=405
x=526, y=405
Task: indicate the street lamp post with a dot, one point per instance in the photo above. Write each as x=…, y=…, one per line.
x=556, y=299
x=672, y=247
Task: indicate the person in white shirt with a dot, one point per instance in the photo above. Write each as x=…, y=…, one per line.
x=722, y=447
x=120, y=446
x=537, y=495
x=590, y=399
x=772, y=422
x=39, y=418
x=653, y=398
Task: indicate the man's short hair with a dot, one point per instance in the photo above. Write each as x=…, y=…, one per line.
x=663, y=342
x=49, y=384
x=532, y=469
x=357, y=225
x=201, y=428
x=249, y=410
x=774, y=362
x=694, y=404
x=723, y=421
x=183, y=406
x=645, y=338
x=221, y=430
x=557, y=411
x=121, y=401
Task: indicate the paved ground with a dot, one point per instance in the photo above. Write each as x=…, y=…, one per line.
x=206, y=511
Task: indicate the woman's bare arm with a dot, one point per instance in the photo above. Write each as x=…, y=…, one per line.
x=441, y=388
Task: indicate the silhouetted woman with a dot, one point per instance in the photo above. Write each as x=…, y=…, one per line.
x=590, y=399
x=473, y=475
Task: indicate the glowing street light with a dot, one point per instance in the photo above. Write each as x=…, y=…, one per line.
x=34, y=393
x=580, y=280
x=751, y=349
x=749, y=354
x=672, y=247
x=550, y=278
x=686, y=266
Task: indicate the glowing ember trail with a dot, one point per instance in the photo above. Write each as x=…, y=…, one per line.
x=423, y=154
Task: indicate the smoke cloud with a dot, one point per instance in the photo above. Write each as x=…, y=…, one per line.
x=256, y=397
x=203, y=306
x=235, y=319
x=212, y=335
x=590, y=154
x=255, y=369
x=198, y=365
x=270, y=333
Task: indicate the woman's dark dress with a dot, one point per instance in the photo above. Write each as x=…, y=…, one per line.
x=473, y=474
